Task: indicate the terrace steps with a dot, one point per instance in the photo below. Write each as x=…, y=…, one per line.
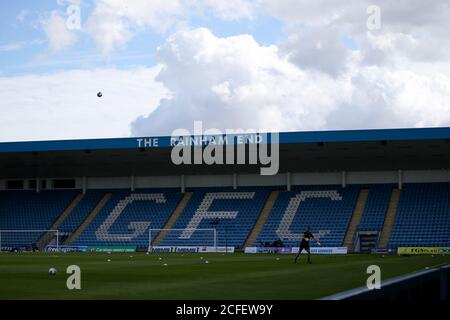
x=259, y=225
x=389, y=219
x=91, y=216
x=47, y=237
x=356, y=218
x=173, y=218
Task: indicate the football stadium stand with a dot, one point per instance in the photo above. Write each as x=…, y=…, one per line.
x=325, y=209
x=28, y=210
x=232, y=213
x=125, y=217
x=423, y=215
x=376, y=208
x=80, y=212
x=359, y=189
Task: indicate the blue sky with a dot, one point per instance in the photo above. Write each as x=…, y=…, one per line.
x=269, y=65
x=24, y=48
x=29, y=52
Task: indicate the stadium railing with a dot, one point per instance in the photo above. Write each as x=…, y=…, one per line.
x=431, y=284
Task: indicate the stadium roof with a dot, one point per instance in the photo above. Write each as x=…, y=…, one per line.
x=317, y=151
x=285, y=138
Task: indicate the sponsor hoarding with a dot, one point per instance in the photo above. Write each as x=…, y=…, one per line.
x=423, y=250
x=66, y=249
x=185, y=249
x=161, y=249
x=216, y=249
x=324, y=250
x=192, y=249
x=285, y=250
x=112, y=248
x=289, y=250
x=382, y=251
x=14, y=249
x=267, y=250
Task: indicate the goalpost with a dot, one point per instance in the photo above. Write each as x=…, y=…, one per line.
x=188, y=237
x=28, y=238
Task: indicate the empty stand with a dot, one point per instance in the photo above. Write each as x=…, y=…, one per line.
x=28, y=210
x=232, y=213
x=173, y=218
x=376, y=208
x=423, y=216
x=356, y=218
x=262, y=219
x=56, y=225
x=126, y=217
x=390, y=218
x=80, y=212
x=246, y=216
x=326, y=209
x=89, y=218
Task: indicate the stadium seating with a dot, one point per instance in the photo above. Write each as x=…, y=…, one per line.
x=376, y=208
x=423, y=216
x=127, y=216
x=79, y=213
x=28, y=210
x=233, y=213
x=326, y=209
x=422, y=219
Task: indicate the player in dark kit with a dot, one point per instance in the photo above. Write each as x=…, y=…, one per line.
x=304, y=245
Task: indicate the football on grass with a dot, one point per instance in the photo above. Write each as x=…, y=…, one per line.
x=52, y=271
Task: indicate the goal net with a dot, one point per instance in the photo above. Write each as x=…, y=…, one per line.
x=182, y=238
x=28, y=240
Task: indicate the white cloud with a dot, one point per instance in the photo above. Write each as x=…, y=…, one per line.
x=65, y=105
x=416, y=29
x=413, y=29
x=13, y=46
x=108, y=31
x=21, y=16
x=319, y=48
x=398, y=76
x=401, y=15
x=114, y=22
x=234, y=82
x=386, y=98
x=58, y=35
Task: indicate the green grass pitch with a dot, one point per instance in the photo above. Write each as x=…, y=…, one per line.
x=187, y=276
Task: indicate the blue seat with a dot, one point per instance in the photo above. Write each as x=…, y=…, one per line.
x=423, y=216
x=327, y=217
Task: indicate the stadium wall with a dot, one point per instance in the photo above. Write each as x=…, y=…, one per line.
x=282, y=180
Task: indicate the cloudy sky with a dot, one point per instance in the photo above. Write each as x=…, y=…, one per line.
x=287, y=65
